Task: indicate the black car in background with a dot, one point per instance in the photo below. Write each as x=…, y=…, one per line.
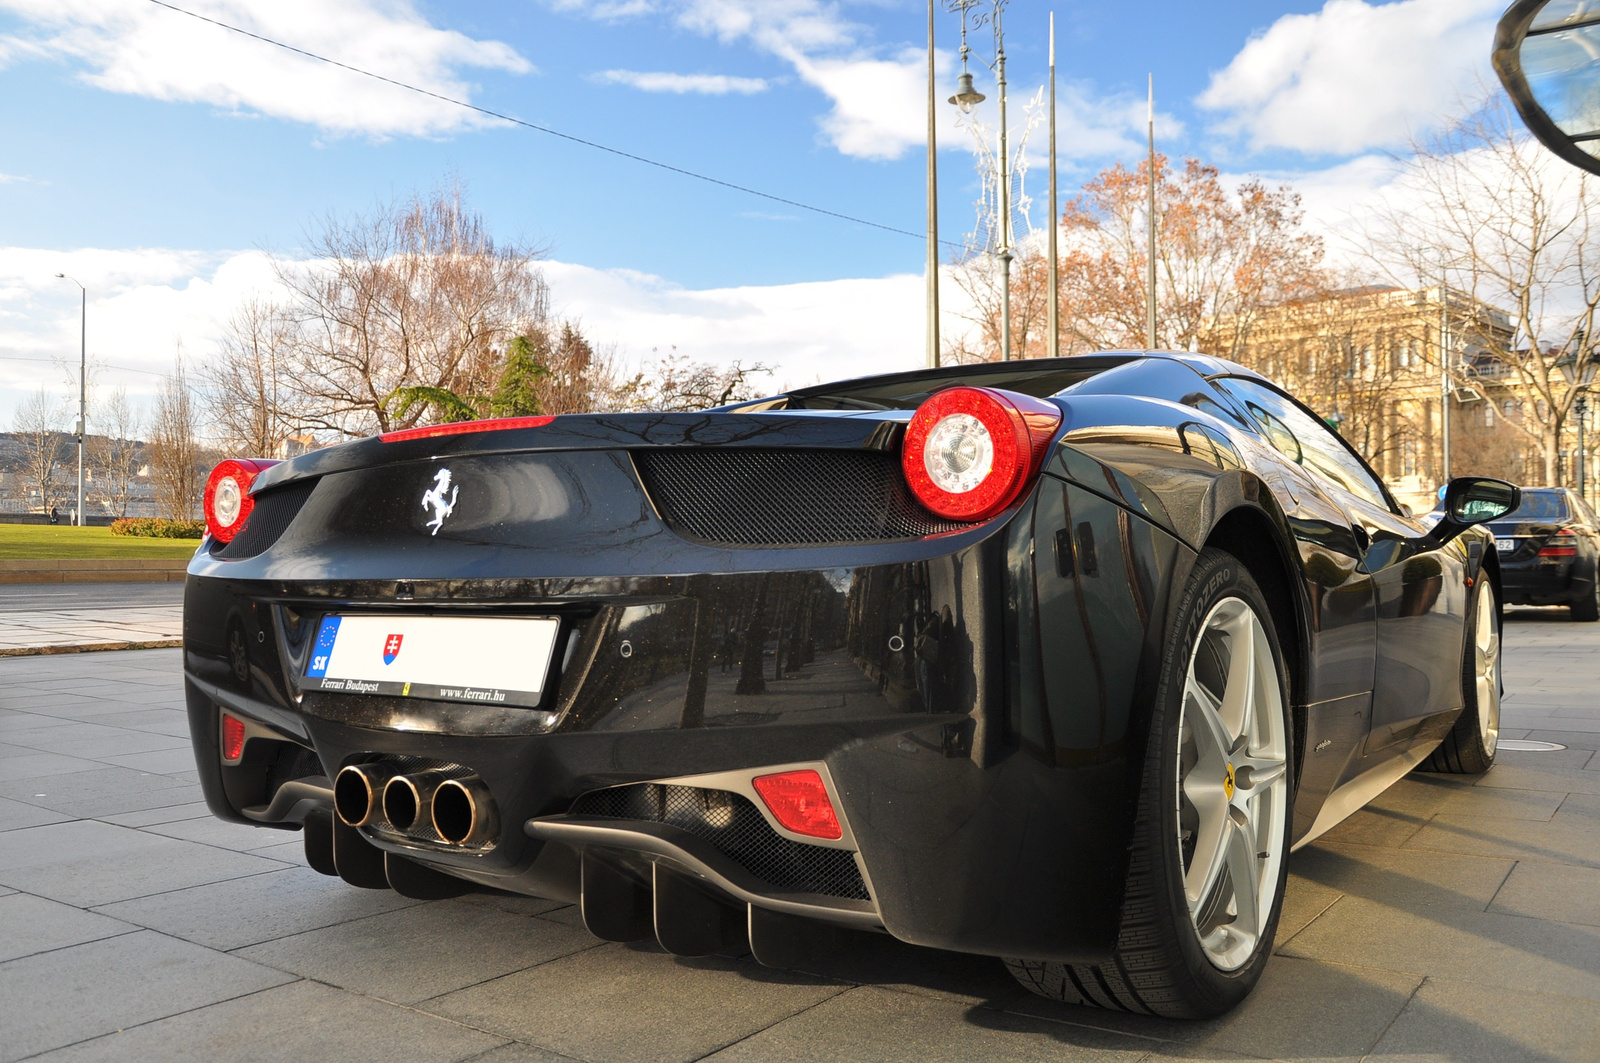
x=1549, y=548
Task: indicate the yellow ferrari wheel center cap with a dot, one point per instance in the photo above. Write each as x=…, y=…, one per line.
x=1227, y=783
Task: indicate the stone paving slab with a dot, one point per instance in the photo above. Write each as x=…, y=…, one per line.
x=1453, y=919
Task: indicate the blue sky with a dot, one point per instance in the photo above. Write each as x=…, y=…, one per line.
x=156, y=153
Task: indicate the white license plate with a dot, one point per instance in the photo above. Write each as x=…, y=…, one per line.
x=486, y=660
x=1505, y=546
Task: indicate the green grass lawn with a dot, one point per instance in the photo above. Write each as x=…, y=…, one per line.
x=29, y=541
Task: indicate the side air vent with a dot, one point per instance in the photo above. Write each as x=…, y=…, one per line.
x=736, y=829
x=275, y=510
x=753, y=496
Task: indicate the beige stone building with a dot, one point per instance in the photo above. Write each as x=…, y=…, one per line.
x=1368, y=360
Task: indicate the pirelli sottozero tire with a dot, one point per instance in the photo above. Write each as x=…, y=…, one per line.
x=1209, y=855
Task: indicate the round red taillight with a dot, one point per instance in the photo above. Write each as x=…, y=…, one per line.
x=227, y=500
x=969, y=452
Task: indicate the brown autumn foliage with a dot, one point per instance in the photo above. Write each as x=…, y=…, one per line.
x=1221, y=257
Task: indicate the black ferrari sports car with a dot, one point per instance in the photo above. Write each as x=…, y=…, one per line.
x=1549, y=552
x=1052, y=660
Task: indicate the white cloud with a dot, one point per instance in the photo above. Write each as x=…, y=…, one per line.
x=144, y=304
x=703, y=84
x=879, y=94
x=1353, y=76
x=11, y=178
x=145, y=50
x=810, y=332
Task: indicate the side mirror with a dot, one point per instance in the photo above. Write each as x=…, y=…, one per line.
x=1545, y=55
x=1470, y=500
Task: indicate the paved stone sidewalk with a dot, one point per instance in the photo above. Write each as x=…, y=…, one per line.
x=55, y=618
x=1455, y=919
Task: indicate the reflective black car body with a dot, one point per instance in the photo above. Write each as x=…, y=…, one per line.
x=977, y=696
x=1549, y=551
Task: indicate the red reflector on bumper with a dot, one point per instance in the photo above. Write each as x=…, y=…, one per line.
x=799, y=800
x=232, y=738
x=1559, y=551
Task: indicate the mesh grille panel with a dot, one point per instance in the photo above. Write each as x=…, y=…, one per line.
x=752, y=496
x=738, y=830
x=274, y=511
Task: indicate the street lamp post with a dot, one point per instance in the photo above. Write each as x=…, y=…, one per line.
x=966, y=98
x=1582, y=406
x=83, y=381
x=1578, y=369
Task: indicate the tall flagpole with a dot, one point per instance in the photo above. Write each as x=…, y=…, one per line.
x=933, y=214
x=1055, y=222
x=1150, y=287
x=1005, y=188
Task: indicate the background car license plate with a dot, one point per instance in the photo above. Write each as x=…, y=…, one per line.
x=488, y=660
x=1505, y=546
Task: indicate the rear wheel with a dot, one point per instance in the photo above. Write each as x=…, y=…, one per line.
x=1207, y=868
x=1470, y=746
x=1587, y=608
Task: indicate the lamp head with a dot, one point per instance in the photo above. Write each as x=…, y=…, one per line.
x=61, y=276
x=966, y=96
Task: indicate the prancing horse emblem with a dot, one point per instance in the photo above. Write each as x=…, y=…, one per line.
x=433, y=499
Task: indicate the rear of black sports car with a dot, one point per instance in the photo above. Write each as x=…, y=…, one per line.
x=758, y=687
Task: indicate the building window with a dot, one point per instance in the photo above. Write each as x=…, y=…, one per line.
x=1488, y=415
x=1408, y=458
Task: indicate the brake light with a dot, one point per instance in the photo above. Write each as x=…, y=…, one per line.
x=227, y=498
x=799, y=801
x=461, y=428
x=969, y=452
x=232, y=738
x=1563, y=536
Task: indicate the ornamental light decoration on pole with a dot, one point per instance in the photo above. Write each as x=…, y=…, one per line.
x=83, y=381
x=966, y=98
x=1053, y=326
x=933, y=210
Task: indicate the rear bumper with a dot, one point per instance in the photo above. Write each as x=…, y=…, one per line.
x=1550, y=582
x=968, y=838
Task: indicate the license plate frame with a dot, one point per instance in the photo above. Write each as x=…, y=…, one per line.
x=1505, y=546
x=479, y=660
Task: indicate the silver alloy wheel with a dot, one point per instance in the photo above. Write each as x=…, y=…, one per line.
x=1486, y=668
x=1233, y=789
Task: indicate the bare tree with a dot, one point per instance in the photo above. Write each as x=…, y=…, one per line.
x=114, y=456
x=581, y=378
x=175, y=455
x=416, y=295
x=38, y=429
x=677, y=384
x=252, y=394
x=1493, y=219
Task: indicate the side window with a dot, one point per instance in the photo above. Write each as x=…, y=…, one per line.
x=1305, y=440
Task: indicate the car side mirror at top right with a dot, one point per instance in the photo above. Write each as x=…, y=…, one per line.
x=1547, y=55
x=1470, y=500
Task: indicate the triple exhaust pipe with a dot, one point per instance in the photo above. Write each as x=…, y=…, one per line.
x=457, y=804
